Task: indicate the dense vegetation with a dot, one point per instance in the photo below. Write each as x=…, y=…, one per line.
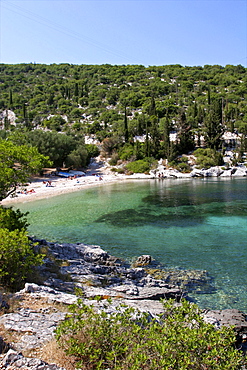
x=115, y=104
x=95, y=340
x=17, y=252
x=17, y=163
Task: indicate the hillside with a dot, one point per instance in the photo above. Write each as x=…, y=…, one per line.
x=129, y=103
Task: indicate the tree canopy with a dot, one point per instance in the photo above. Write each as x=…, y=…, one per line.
x=17, y=163
x=121, y=103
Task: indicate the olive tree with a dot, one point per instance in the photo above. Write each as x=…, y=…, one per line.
x=17, y=163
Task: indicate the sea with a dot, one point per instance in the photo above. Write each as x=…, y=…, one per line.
x=184, y=224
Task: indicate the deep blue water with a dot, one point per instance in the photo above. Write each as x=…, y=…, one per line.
x=188, y=224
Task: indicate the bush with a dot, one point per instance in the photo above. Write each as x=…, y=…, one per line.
x=118, y=170
x=126, y=152
x=117, y=341
x=13, y=220
x=183, y=167
x=17, y=258
x=140, y=166
x=206, y=158
x=77, y=158
x=92, y=151
x=114, y=159
x=180, y=164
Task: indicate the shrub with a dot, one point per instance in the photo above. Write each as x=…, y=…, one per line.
x=114, y=159
x=118, y=170
x=206, y=158
x=181, y=164
x=139, y=166
x=17, y=258
x=126, y=152
x=183, y=167
x=13, y=220
x=128, y=340
x=92, y=151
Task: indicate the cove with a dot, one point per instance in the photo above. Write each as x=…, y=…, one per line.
x=185, y=224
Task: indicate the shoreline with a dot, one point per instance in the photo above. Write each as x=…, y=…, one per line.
x=98, y=173
x=37, y=189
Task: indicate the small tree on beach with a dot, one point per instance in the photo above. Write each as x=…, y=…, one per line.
x=17, y=163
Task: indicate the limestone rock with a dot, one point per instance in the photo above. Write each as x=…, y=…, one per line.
x=143, y=260
x=228, y=317
x=14, y=360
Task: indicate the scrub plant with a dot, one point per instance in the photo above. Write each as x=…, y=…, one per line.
x=17, y=258
x=128, y=339
x=13, y=219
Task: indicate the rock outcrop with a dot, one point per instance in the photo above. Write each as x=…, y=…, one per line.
x=217, y=171
x=95, y=273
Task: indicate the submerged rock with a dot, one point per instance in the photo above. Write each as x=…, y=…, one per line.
x=143, y=260
x=198, y=281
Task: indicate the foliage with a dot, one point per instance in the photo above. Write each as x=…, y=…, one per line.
x=17, y=163
x=139, y=166
x=54, y=123
x=77, y=158
x=181, y=164
x=92, y=151
x=127, y=339
x=109, y=145
x=60, y=148
x=213, y=129
x=114, y=159
x=126, y=152
x=17, y=258
x=206, y=158
x=12, y=219
x=123, y=102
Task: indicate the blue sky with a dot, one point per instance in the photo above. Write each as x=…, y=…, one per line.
x=189, y=33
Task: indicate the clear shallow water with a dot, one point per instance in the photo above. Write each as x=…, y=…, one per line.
x=188, y=224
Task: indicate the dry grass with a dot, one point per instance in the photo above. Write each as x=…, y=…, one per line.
x=40, y=303
x=52, y=353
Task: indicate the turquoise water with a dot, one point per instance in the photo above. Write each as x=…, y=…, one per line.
x=188, y=224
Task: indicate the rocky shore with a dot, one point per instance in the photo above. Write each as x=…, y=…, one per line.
x=94, y=273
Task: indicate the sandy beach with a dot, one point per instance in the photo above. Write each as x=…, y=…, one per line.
x=97, y=174
x=38, y=188
x=44, y=187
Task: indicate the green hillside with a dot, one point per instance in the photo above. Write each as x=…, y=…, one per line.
x=118, y=103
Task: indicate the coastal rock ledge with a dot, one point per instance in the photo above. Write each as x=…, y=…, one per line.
x=96, y=273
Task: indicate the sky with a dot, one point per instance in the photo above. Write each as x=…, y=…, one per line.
x=116, y=32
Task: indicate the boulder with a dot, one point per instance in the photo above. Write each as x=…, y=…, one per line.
x=228, y=317
x=240, y=172
x=143, y=260
x=15, y=360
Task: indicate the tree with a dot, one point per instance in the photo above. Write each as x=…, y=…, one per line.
x=77, y=158
x=12, y=219
x=185, y=137
x=213, y=125
x=17, y=258
x=126, y=131
x=17, y=163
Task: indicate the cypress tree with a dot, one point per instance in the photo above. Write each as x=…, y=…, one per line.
x=185, y=137
x=126, y=131
x=213, y=128
x=76, y=93
x=209, y=97
x=10, y=98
